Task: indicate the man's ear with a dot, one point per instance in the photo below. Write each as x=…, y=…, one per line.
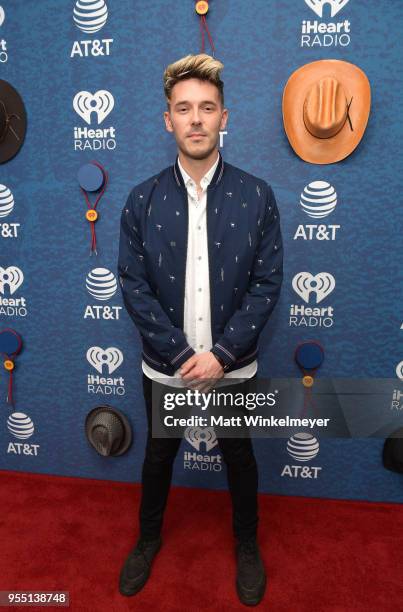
x=168, y=122
x=224, y=119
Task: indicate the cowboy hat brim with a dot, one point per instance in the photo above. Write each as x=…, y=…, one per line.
x=11, y=144
x=356, y=86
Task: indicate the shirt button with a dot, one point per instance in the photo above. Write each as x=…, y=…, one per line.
x=200, y=318
x=201, y=345
x=199, y=288
x=199, y=257
x=199, y=227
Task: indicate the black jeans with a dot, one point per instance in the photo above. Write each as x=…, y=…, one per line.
x=160, y=453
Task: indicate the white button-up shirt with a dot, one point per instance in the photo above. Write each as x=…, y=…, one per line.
x=197, y=315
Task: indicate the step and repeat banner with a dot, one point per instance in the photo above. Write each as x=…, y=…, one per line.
x=89, y=74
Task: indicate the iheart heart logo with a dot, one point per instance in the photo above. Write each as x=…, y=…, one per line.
x=86, y=103
x=11, y=276
x=335, y=6
x=112, y=357
x=322, y=285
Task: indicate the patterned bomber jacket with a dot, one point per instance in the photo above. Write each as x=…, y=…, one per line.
x=245, y=263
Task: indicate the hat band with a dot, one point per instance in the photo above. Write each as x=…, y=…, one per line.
x=333, y=132
x=8, y=125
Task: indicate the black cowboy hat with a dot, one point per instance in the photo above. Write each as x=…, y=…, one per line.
x=13, y=121
x=393, y=451
x=108, y=431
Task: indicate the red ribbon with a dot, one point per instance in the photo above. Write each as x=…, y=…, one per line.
x=10, y=388
x=204, y=26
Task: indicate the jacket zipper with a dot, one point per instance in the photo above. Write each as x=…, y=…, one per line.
x=186, y=257
x=209, y=268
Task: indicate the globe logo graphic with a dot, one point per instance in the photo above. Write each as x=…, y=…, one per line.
x=318, y=199
x=6, y=201
x=399, y=370
x=90, y=15
x=303, y=446
x=20, y=425
x=101, y=284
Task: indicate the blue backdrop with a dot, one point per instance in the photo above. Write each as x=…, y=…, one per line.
x=44, y=55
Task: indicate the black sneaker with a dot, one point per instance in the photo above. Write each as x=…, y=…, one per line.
x=251, y=576
x=137, y=567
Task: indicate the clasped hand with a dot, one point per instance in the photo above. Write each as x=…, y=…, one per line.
x=201, y=371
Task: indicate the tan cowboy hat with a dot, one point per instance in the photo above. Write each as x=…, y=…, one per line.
x=325, y=110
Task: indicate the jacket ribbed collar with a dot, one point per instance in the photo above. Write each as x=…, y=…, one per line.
x=217, y=176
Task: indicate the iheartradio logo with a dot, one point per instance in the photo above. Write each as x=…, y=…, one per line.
x=90, y=15
x=305, y=283
x=11, y=276
x=318, y=5
x=101, y=284
x=196, y=435
x=111, y=357
x=101, y=103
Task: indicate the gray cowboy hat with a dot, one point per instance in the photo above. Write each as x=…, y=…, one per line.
x=108, y=431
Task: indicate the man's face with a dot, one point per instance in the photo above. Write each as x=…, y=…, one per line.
x=195, y=117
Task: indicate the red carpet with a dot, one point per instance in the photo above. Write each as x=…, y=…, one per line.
x=73, y=534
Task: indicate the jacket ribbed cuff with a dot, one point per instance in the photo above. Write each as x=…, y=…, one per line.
x=224, y=350
x=184, y=354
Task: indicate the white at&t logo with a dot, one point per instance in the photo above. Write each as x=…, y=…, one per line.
x=90, y=16
x=7, y=230
x=11, y=279
x=105, y=361
x=93, y=109
x=3, y=43
x=21, y=427
x=102, y=285
x=318, y=200
x=6, y=201
x=316, y=33
x=320, y=286
x=302, y=447
x=201, y=437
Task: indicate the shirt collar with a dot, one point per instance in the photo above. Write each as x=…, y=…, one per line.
x=206, y=180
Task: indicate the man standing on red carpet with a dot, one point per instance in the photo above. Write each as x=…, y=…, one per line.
x=200, y=269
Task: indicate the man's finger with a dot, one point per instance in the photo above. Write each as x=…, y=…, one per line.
x=187, y=366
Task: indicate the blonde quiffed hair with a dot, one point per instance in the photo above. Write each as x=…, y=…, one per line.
x=201, y=66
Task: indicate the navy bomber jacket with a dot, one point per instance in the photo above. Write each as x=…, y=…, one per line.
x=245, y=262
